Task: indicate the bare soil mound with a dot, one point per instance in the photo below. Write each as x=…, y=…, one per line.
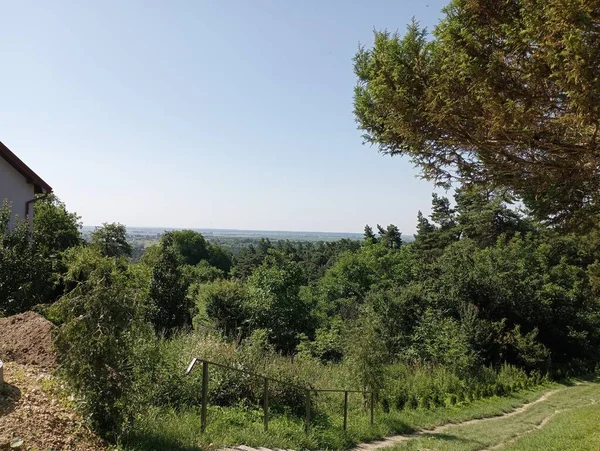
x=35, y=414
x=27, y=339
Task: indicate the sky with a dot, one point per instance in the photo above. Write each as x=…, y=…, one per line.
x=204, y=114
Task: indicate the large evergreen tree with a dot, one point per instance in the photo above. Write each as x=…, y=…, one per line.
x=369, y=235
x=170, y=307
x=506, y=93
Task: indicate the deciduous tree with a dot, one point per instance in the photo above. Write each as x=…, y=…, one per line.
x=111, y=240
x=54, y=228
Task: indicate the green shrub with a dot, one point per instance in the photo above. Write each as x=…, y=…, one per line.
x=100, y=325
x=223, y=301
x=161, y=380
x=24, y=273
x=431, y=386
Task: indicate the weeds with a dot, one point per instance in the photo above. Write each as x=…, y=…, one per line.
x=167, y=403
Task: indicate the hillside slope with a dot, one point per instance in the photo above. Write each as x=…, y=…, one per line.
x=35, y=413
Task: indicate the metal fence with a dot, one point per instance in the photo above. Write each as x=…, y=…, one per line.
x=266, y=379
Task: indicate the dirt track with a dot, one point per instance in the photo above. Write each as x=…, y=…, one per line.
x=31, y=411
x=397, y=439
x=34, y=409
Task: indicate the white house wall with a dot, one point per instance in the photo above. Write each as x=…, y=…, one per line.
x=15, y=188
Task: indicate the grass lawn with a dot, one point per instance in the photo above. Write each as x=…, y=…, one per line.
x=568, y=419
x=179, y=430
x=576, y=430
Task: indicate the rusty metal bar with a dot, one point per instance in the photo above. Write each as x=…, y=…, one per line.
x=266, y=379
x=204, y=395
x=307, y=419
x=338, y=390
x=250, y=373
x=345, y=409
x=372, y=406
x=266, y=404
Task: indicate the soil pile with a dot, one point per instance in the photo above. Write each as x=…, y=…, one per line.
x=27, y=339
x=36, y=410
x=35, y=414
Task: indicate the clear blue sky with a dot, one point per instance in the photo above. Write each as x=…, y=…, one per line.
x=224, y=114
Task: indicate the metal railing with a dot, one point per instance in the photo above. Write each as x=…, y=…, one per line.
x=266, y=380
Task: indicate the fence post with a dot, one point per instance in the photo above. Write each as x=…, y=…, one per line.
x=345, y=409
x=266, y=404
x=372, y=404
x=204, y=395
x=307, y=425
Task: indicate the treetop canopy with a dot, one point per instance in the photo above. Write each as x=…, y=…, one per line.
x=505, y=93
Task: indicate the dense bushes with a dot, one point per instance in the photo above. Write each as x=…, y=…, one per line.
x=31, y=258
x=169, y=308
x=159, y=380
x=225, y=302
x=101, y=322
x=483, y=303
x=482, y=284
x=470, y=310
x=25, y=272
x=430, y=386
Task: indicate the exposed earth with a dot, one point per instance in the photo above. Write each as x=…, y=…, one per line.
x=27, y=339
x=35, y=413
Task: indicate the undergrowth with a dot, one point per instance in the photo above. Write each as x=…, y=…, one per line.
x=164, y=404
x=179, y=429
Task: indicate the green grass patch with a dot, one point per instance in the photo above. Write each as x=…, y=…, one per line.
x=161, y=428
x=551, y=424
x=575, y=430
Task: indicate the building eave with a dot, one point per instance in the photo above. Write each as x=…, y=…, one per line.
x=39, y=185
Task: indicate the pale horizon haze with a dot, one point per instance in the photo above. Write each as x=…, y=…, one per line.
x=204, y=114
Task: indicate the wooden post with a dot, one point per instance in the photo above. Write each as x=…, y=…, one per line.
x=372, y=405
x=204, y=395
x=345, y=409
x=266, y=404
x=307, y=425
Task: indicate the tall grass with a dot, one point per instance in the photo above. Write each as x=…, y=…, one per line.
x=164, y=403
x=424, y=387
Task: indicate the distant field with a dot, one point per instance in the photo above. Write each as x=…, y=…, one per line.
x=234, y=233
x=231, y=239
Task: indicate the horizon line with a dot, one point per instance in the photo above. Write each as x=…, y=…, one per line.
x=230, y=229
x=243, y=230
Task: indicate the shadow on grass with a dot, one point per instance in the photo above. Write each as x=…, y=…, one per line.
x=442, y=438
x=572, y=381
x=451, y=438
x=398, y=426
x=149, y=441
x=593, y=378
x=9, y=396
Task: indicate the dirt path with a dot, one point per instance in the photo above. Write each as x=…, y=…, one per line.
x=398, y=439
x=32, y=417
x=537, y=427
